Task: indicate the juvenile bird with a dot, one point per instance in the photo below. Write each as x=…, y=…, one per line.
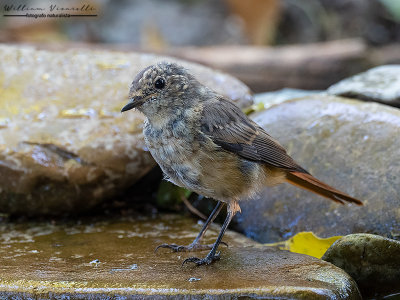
x=205, y=143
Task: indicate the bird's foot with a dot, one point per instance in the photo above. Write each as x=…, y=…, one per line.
x=209, y=259
x=189, y=248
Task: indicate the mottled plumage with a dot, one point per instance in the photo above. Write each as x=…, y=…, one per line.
x=205, y=143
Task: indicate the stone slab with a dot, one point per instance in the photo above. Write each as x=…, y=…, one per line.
x=116, y=260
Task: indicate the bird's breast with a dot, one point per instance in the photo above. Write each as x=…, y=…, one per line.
x=175, y=148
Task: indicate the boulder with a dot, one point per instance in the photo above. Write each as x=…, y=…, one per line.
x=64, y=145
x=380, y=84
x=115, y=260
x=268, y=99
x=351, y=145
x=371, y=260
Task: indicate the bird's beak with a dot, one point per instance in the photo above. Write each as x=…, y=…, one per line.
x=136, y=99
x=132, y=104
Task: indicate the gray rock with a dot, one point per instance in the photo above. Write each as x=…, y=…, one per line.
x=105, y=259
x=371, y=260
x=349, y=144
x=270, y=99
x=381, y=84
x=64, y=145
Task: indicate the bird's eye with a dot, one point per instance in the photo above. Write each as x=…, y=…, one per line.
x=159, y=84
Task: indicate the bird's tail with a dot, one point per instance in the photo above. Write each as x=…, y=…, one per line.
x=309, y=182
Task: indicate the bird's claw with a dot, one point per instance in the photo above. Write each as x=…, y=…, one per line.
x=225, y=244
x=209, y=259
x=189, y=248
x=173, y=247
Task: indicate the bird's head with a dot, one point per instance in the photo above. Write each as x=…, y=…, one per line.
x=157, y=87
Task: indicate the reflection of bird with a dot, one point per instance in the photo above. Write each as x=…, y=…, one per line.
x=205, y=143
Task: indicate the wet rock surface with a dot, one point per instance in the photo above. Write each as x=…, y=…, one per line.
x=371, y=260
x=64, y=145
x=349, y=144
x=116, y=258
x=269, y=99
x=381, y=84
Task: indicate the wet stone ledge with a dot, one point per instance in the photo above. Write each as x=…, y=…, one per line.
x=116, y=260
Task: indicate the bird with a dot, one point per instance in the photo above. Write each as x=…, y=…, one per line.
x=205, y=143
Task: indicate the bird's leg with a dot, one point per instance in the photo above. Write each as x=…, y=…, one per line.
x=195, y=245
x=212, y=256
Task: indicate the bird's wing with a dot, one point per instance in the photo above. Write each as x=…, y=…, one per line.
x=233, y=131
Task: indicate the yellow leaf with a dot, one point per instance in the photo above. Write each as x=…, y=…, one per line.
x=306, y=243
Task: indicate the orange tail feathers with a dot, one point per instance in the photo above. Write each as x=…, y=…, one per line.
x=308, y=182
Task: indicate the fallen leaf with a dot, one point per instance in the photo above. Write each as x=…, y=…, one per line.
x=306, y=243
